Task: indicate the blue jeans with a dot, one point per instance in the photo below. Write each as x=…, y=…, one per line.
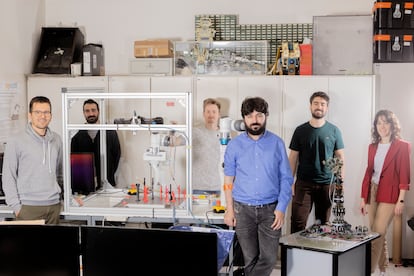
x=258, y=241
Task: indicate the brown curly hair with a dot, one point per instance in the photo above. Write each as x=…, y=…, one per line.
x=390, y=118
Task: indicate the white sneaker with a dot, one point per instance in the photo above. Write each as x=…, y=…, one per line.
x=382, y=273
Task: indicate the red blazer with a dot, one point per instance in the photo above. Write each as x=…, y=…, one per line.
x=395, y=174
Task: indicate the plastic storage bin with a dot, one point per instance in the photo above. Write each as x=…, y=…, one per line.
x=393, y=14
x=393, y=45
x=221, y=57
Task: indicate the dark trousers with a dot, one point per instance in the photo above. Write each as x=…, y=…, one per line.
x=258, y=241
x=307, y=194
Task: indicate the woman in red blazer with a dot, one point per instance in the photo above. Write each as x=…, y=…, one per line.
x=386, y=180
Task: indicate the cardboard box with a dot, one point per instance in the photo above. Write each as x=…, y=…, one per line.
x=153, y=48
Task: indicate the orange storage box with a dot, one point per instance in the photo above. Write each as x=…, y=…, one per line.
x=305, y=65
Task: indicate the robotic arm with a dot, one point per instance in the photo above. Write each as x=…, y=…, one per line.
x=227, y=125
x=155, y=155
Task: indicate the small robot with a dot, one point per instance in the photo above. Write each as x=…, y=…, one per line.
x=205, y=31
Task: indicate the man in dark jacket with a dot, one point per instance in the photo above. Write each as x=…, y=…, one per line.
x=89, y=141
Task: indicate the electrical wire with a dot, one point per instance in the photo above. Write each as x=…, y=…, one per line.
x=201, y=222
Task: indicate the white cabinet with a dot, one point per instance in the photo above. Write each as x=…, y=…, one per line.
x=125, y=108
x=132, y=167
x=269, y=88
x=351, y=108
x=296, y=93
x=170, y=85
x=51, y=87
x=129, y=84
x=225, y=89
x=149, y=85
x=133, y=145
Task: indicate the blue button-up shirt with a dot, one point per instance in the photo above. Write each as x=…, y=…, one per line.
x=261, y=170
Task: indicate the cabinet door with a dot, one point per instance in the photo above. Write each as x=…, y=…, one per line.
x=296, y=93
x=172, y=111
x=129, y=84
x=352, y=110
x=126, y=109
x=171, y=84
x=51, y=87
x=132, y=168
x=225, y=89
x=270, y=89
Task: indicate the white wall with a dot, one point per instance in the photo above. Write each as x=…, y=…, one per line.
x=118, y=23
x=20, y=23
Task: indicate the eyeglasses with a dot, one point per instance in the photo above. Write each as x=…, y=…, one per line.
x=38, y=113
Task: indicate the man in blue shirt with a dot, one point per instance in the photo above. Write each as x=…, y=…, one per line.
x=257, y=187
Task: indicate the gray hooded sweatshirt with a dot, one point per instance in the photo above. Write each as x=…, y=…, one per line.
x=32, y=169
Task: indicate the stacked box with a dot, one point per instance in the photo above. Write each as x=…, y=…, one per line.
x=393, y=14
x=93, y=60
x=153, y=48
x=394, y=45
x=393, y=23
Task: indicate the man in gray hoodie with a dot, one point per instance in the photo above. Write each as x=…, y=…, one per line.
x=32, y=167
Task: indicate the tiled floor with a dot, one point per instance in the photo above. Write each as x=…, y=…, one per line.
x=398, y=271
x=391, y=271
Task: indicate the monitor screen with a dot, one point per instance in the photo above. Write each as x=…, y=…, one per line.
x=131, y=251
x=39, y=250
x=82, y=173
